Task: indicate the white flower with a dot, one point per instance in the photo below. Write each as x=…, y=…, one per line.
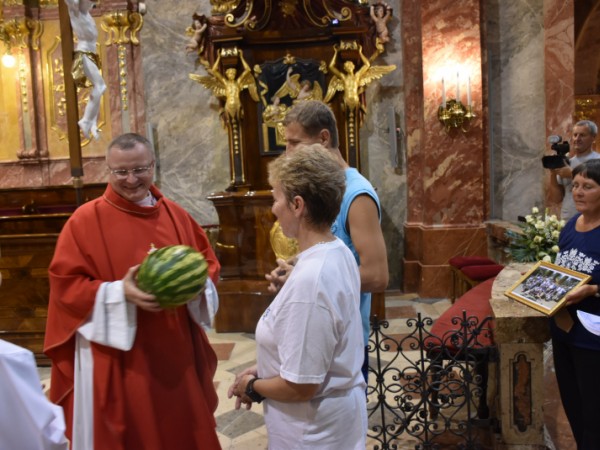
x=555, y=248
x=534, y=210
x=537, y=239
x=555, y=234
x=547, y=258
x=529, y=218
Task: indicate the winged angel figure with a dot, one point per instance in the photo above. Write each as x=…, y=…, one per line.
x=351, y=83
x=298, y=89
x=229, y=86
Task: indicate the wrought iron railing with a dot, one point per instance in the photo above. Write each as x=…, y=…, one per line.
x=429, y=390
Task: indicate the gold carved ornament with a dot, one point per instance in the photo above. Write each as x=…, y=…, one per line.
x=229, y=86
x=283, y=246
x=255, y=15
x=353, y=82
x=122, y=28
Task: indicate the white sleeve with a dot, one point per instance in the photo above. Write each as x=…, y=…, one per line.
x=114, y=319
x=204, y=307
x=27, y=418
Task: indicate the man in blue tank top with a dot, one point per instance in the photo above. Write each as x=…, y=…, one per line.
x=358, y=223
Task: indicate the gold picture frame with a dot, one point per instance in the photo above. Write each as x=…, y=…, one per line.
x=545, y=287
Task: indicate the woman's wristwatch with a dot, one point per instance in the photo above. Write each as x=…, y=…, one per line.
x=251, y=393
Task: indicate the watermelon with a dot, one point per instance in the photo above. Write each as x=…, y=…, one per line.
x=174, y=274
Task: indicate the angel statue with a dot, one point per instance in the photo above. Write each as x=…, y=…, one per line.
x=299, y=90
x=229, y=86
x=353, y=84
x=197, y=32
x=381, y=14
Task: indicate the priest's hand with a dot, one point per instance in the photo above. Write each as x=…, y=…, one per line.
x=135, y=295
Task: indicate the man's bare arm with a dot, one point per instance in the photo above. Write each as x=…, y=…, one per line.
x=367, y=237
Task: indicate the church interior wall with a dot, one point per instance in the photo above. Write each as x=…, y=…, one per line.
x=517, y=115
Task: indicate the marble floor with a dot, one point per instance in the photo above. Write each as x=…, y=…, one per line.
x=245, y=430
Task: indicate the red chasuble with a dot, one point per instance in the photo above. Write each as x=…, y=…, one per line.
x=159, y=395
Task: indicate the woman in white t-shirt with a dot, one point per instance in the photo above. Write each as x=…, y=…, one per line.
x=309, y=340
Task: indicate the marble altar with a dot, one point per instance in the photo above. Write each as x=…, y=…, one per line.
x=520, y=334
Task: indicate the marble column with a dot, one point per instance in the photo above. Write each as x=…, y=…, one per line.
x=447, y=168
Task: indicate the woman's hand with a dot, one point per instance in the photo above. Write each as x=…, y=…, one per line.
x=578, y=294
x=238, y=388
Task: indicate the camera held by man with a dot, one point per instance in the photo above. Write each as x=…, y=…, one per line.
x=567, y=156
x=560, y=159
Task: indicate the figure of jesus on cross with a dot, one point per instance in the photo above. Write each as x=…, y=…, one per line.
x=86, y=62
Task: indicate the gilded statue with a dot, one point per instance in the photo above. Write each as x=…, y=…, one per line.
x=273, y=116
x=298, y=89
x=350, y=82
x=229, y=86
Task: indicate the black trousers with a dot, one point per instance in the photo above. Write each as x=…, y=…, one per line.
x=578, y=374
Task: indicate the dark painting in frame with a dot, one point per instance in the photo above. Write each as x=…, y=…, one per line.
x=282, y=83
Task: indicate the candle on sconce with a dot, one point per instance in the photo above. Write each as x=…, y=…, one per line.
x=457, y=88
x=443, y=93
x=469, y=92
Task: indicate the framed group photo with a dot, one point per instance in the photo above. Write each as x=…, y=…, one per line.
x=546, y=286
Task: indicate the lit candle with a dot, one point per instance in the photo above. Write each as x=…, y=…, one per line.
x=469, y=91
x=457, y=88
x=443, y=93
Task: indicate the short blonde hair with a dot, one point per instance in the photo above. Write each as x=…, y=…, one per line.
x=314, y=174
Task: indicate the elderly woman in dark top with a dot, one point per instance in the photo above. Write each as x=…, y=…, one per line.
x=577, y=349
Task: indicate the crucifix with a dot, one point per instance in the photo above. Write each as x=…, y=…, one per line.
x=85, y=72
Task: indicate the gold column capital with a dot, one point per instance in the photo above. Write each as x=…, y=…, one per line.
x=122, y=27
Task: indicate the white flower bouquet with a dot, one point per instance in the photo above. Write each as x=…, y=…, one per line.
x=538, y=238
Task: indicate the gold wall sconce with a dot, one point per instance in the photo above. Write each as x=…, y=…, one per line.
x=13, y=33
x=452, y=113
x=8, y=60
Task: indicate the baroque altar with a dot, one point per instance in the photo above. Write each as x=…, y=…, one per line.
x=259, y=58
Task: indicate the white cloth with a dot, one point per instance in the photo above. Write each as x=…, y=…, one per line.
x=204, y=307
x=591, y=322
x=114, y=320
x=113, y=323
x=312, y=333
x=28, y=420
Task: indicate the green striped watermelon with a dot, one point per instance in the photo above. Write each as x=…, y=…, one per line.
x=174, y=274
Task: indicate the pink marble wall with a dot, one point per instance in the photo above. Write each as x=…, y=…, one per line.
x=454, y=164
x=447, y=171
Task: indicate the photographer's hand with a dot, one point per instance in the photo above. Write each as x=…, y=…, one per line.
x=563, y=172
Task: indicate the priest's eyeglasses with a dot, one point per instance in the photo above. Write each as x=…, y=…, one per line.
x=122, y=174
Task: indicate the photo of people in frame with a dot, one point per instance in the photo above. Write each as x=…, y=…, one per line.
x=545, y=287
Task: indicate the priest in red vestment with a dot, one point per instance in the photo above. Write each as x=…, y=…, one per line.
x=128, y=374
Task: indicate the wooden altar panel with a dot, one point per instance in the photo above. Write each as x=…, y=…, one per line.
x=30, y=221
x=244, y=251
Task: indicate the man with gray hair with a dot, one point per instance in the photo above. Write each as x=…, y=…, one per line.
x=559, y=187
